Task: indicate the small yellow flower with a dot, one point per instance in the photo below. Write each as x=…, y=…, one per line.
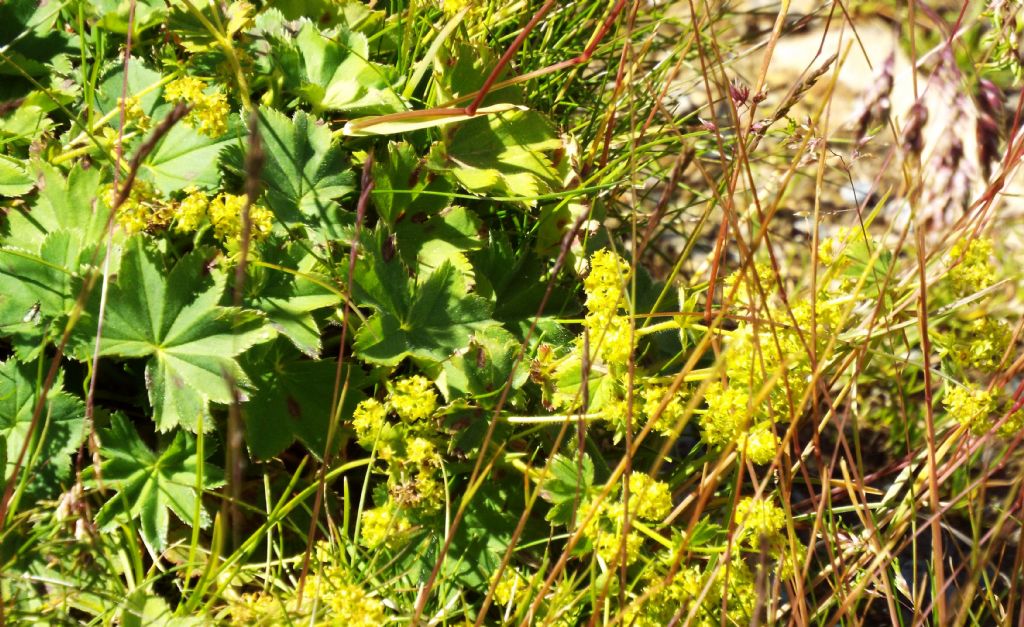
x=367, y=419
x=727, y=413
x=749, y=288
x=670, y=416
x=759, y=443
x=421, y=452
x=382, y=526
x=972, y=270
x=649, y=498
x=608, y=544
x=413, y=398
x=759, y=518
x=225, y=212
x=970, y=406
x=510, y=586
x=983, y=344
x=192, y=210
x=351, y=605
x=604, y=283
x=141, y=210
x=133, y=112
x=209, y=114
x=451, y=7
x=613, y=337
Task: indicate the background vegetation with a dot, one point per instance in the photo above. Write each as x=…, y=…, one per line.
x=470, y=312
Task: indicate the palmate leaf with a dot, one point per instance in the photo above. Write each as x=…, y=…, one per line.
x=427, y=243
x=337, y=75
x=568, y=485
x=64, y=203
x=292, y=399
x=426, y=320
x=41, y=282
x=401, y=187
x=289, y=298
x=507, y=153
x=173, y=319
x=45, y=251
x=59, y=432
x=149, y=483
x=14, y=177
x=183, y=156
x=304, y=172
x=483, y=370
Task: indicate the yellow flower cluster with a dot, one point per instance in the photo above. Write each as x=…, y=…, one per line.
x=451, y=7
x=759, y=518
x=351, y=605
x=770, y=362
x=610, y=332
x=979, y=410
x=368, y=418
x=671, y=416
x=383, y=526
x=971, y=406
x=133, y=113
x=413, y=398
x=983, y=344
x=759, y=444
x=604, y=531
x=727, y=414
x=971, y=266
x=209, y=114
x=512, y=586
x=666, y=601
x=749, y=289
x=224, y=213
x=415, y=481
x=142, y=210
x=257, y=608
x=774, y=355
x=191, y=210
x=1014, y=423
x=649, y=498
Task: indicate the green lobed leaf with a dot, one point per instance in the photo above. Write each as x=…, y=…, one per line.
x=338, y=76
x=14, y=177
x=185, y=157
x=150, y=484
x=59, y=432
x=429, y=320
x=64, y=203
x=484, y=368
x=514, y=279
x=292, y=399
x=402, y=186
x=171, y=317
x=304, y=172
x=426, y=243
x=507, y=153
x=567, y=486
x=289, y=298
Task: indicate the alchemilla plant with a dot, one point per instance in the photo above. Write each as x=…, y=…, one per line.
x=364, y=313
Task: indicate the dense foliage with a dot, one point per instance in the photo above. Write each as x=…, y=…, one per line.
x=321, y=311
